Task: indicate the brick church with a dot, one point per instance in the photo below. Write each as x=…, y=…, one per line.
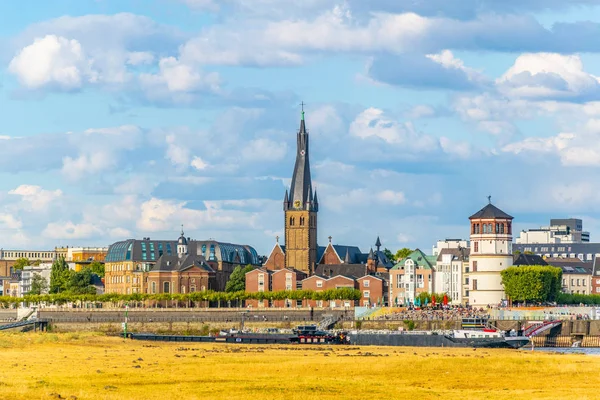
x=331, y=266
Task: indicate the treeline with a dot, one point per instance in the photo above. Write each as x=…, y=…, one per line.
x=587, y=299
x=535, y=283
x=219, y=298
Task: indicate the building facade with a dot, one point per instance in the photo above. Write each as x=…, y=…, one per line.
x=448, y=273
x=490, y=254
x=565, y=231
x=128, y=263
x=410, y=277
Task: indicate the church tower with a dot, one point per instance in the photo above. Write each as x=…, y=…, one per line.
x=301, y=206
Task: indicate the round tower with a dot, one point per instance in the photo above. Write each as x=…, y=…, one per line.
x=491, y=253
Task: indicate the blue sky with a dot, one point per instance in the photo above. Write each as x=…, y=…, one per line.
x=129, y=118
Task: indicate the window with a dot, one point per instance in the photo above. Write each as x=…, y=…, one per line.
x=153, y=287
x=598, y=289
x=166, y=288
x=474, y=266
x=319, y=283
x=476, y=247
x=564, y=282
x=366, y=283
x=192, y=289
x=583, y=282
x=474, y=284
x=182, y=288
x=366, y=294
x=572, y=282
x=466, y=281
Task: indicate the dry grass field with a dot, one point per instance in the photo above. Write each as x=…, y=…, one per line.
x=89, y=366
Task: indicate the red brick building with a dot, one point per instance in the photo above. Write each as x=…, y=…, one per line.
x=372, y=289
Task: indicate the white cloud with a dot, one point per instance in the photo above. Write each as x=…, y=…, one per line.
x=162, y=214
x=198, y=163
x=52, y=60
x=175, y=76
x=265, y=150
x=391, y=197
x=37, y=198
x=70, y=230
x=548, y=75
x=9, y=222
x=373, y=123
x=76, y=168
x=177, y=154
x=140, y=57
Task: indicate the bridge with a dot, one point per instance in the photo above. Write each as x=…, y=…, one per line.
x=40, y=324
x=536, y=329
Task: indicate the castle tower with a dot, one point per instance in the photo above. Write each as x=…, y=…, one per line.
x=491, y=252
x=301, y=206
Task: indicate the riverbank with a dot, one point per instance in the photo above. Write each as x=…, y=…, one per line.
x=93, y=366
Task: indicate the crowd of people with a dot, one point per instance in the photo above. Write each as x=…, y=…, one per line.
x=442, y=313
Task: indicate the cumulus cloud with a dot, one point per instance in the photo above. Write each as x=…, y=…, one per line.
x=52, y=60
x=37, y=198
x=549, y=75
x=69, y=230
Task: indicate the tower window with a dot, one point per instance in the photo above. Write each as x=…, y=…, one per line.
x=301, y=221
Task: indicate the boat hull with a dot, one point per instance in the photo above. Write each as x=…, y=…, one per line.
x=427, y=340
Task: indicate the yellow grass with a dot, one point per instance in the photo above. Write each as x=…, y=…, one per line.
x=89, y=366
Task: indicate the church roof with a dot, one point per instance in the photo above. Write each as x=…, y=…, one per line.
x=490, y=211
x=301, y=192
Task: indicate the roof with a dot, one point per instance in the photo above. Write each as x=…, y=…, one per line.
x=458, y=254
x=575, y=270
x=421, y=260
x=175, y=263
x=571, y=265
x=353, y=252
x=490, y=211
x=529, y=259
x=151, y=250
x=355, y=270
x=301, y=191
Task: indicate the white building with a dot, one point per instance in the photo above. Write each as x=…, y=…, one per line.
x=569, y=230
x=491, y=252
x=44, y=270
x=449, y=244
x=448, y=272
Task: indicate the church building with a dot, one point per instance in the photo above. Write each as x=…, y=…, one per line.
x=300, y=251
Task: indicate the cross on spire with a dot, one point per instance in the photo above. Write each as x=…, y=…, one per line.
x=302, y=105
x=490, y=199
x=181, y=229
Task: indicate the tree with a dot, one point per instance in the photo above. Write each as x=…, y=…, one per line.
x=237, y=279
x=402, y=253
x=536, y=283
x=80, y=282
x=390, y=256
x=96, y=268
x=39, y=284
x=20, y=263
x=36, y=262
x=59, y=275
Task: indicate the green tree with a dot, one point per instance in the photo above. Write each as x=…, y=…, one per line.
x=536, y=283
x=20, y=263
x=237, y=279
x=39, y=284
x=59, y=275
x=80, y=282
x=390, y=256
x=402, y=253
x=96, y=268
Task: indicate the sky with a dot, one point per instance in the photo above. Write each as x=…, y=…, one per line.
x=128, y=118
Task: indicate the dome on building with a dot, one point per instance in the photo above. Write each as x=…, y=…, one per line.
x=182, y=240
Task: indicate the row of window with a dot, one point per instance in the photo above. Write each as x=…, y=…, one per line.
x=167, y=288
x=30, y=255
x=498, y=228
x=302, y=221
x=580, y=282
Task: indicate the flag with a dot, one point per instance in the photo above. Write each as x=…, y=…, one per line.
x=445, y=299
x=433, y=300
